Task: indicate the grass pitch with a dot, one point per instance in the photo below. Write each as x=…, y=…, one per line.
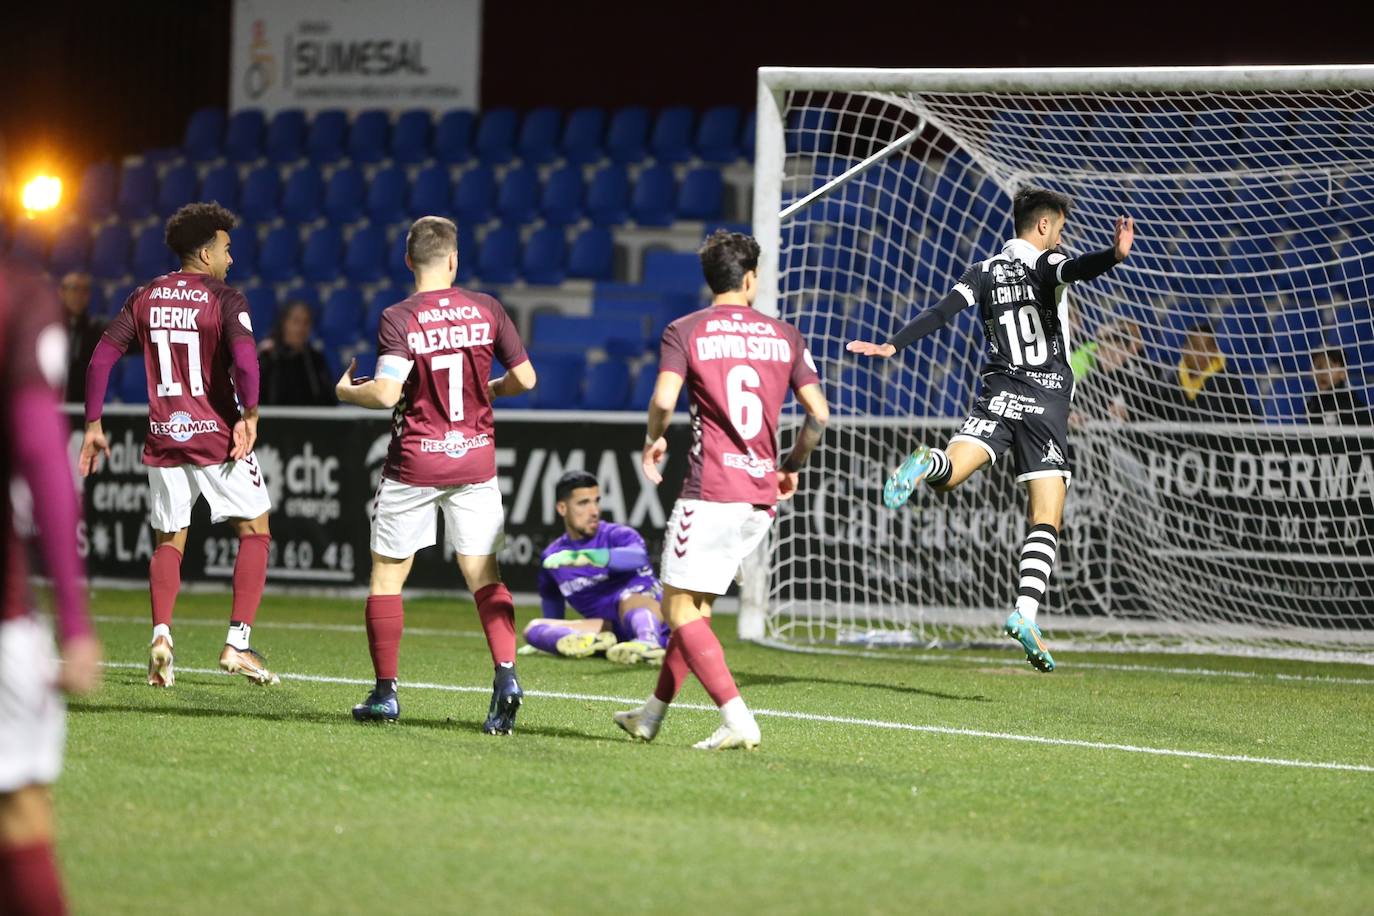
x=217, y=796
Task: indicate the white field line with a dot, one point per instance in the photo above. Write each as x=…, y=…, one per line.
x=807, y=650
x=833, y=720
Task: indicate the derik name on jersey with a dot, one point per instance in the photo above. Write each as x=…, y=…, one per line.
x=450, y=336
x=174, y=317
x=726, y=338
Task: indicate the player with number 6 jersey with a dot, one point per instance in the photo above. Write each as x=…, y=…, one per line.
x=738, y=366
x=201, y=364
x=1027, y=386
x=435, y=351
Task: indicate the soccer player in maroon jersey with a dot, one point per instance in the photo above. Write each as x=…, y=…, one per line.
x=738, y=365
x=434, y=356
x=202, y=364
x=33, y=356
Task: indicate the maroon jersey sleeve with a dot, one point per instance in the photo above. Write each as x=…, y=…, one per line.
x=37, y=350
x=672, y=355
x=391, y=334
x=122, y=330
x=235, y=322
x=803, y=366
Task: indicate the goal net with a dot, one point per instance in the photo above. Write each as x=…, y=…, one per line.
x=1223, y=488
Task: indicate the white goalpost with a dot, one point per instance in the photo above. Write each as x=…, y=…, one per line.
x=1223, y=489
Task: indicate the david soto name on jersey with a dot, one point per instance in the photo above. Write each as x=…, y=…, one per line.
x=181, y=427
x=455, y=444
x=723, y=340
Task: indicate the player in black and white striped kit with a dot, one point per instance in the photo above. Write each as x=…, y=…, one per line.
x=1027, y=385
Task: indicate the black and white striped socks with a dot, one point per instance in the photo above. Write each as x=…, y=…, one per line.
x=940, y=468
x=1037, y=562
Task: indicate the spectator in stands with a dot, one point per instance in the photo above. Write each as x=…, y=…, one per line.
x=293, y=369
x=1110, y=381
x=1200, y=388
x=83, y=331
x=1335, y=403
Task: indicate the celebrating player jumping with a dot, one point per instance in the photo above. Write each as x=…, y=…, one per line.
x=434, y=356
x=738, y=365
x=201, y=363
x=1027, y=385
x=602, y=569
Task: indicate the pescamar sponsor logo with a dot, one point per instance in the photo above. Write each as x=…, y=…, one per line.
x=181, y=427
x=455, y=444
x=749, y=464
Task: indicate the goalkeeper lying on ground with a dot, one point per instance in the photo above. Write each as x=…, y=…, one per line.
x=602, y=569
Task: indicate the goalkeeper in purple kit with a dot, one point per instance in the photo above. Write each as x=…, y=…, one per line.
x=603, y=571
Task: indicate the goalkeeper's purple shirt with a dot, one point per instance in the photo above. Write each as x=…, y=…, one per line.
x=596, y=591
x=738, y=365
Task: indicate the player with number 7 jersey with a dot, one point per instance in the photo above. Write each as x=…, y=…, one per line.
x=201, y=366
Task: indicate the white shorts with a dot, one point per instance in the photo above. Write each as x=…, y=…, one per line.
x=706, y=542
x=235, y=489
x=33, y=717
x=404, y=521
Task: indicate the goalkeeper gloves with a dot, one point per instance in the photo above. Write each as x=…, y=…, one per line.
x=594, y=557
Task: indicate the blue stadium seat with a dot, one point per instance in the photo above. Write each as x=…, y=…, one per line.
x=243, y=248
x=382, y=300
x=627, y=138
x=97, y=194
x=621, y=335
x=643, y=389
x=1286, y=400
x=608, y=386
x=396, y=267
x=468, y=250
x=608, y=198
x=544, y=256
x=365, y=256
x=410, y=138
x=243, y=135
x=277, y=258
x=701, y=195
x=178, y=188
x=204, y=139
x=517, y=201
x=495, y=141
x=497, y=258
x=561, y=202
x=321, y=255
x=432, y=192
x=151, y=257
x=305, y=293
x=810, y=130
x=118, y=295
x=344, y=195
x=386, y=195
x=261, y=192
x=328, y=131
x=718, y=134
x=221, y=185
x=285, y=136
x=560, y=380
x=453, y=137
x=341, y=319
x=746, y=136
x=71, y=248
x=582, y=136
x=538, y=141
x=653, y=200
x=133, y=380
x=474, y=199
x=593, y=255
x=110, y=252
x=262, y=310
x=673, y=272
x=302, y=195
x=672, y=137
x=367, y=141
x=137, y=191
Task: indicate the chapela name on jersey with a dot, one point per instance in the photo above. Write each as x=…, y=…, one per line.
x=449, y=337
x=455, y=444
x=751, y=465
x=181, y=427
x=180, y=293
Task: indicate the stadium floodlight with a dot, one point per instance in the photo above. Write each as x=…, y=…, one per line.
x=41, y=193
x=1248, y=528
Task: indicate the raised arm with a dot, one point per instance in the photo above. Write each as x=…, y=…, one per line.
x=927, y=322
x=1097, y=263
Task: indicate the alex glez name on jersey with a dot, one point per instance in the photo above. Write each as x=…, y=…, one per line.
x=449, y=337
